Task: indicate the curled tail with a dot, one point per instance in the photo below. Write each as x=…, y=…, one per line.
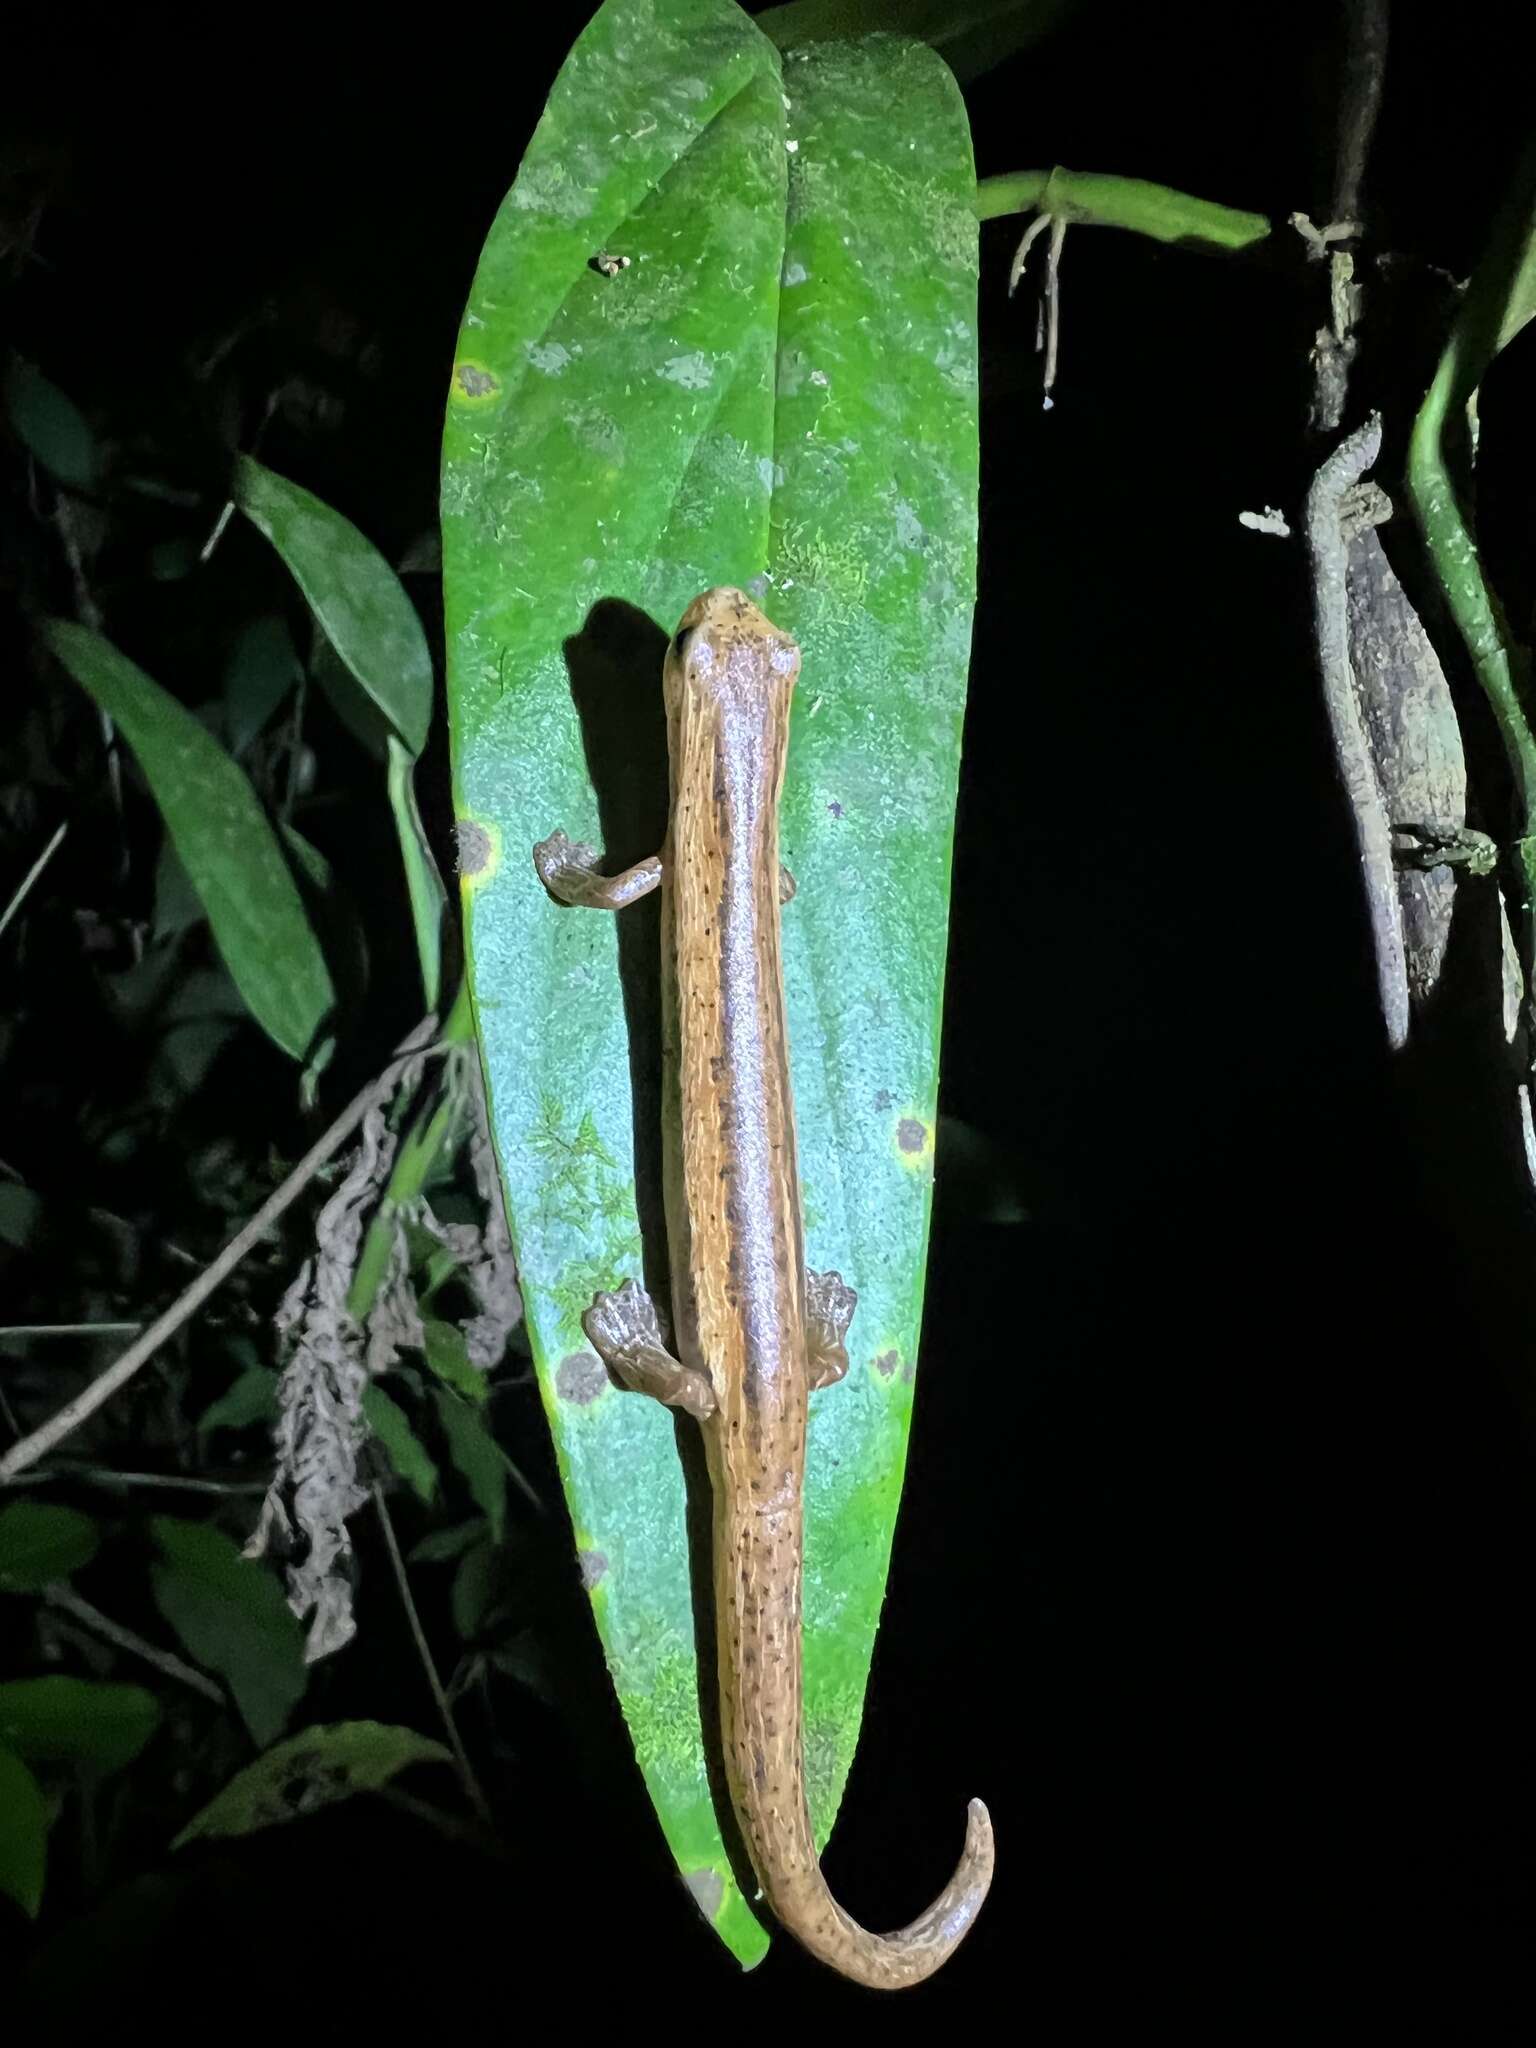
x=886, y=1962
x=758, y=1588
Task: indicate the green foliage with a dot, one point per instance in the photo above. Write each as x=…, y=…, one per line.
x=223, y=838
x=404, y=1449
x=40, y=1543
x=25, y=1818
x=232, y=1618
x=61, y=1720
x=310, y=1771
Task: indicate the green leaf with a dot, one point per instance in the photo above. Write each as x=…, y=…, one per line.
x=250, y=1399
x=51, y=425
x=778, y=392
x=358, y=600
x=475, y=1585
x=63, y=1720
x=233, y=1619
x=1096, y=199
x=310, y=1771
x=402, y=1446
x=372, y=628
x=21, y=1211
x=480, y=1459
x=262, y=668
x=24, y=1823
x=40, y=1543
x=447, y=1353
x=223, y=837
x=441, y=1546
x=972, y=35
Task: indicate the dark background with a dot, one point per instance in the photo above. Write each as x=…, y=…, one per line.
x=1215, y=1569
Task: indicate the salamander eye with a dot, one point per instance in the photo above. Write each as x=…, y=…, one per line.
x=680, y=644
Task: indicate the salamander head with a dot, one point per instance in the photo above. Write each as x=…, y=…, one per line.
x=725, y=647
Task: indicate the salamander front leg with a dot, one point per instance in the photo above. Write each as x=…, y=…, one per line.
x=568, y=871
x=829, y=1306
x=626, y=1336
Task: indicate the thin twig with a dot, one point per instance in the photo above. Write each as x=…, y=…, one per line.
x=165, y=1482
x=122, y=1638
x=31, y=876
x=69, y=1329
x=100, y=1391
x=424, y=1650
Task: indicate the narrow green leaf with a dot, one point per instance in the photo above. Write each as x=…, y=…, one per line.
x=40, y=1543
x=404, y=1449
x=358, y=600
x=24, y=1823
x=474, y=1590
x=231, y=1616
x=62, y=1720
x=441, y=1546
x=250, y=1399
x=311, y=1771
x=1096, y=199
x=480, y=1459
x=223, y=837
x=424, y=885
x=51, y=425
x=447, y=1353
x=263, y=667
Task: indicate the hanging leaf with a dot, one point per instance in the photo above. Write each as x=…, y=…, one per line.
x=233, y=1619
x=776, y=388
x=51, y=426
x=24, y=1822
x=223, y=837
x=389, y=1423
x=40, y=1543
x=61, y=1720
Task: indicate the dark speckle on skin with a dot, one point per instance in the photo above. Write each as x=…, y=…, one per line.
x=887, y=1363
x=910, y=1135
x=474, y=846
x=580, y=1377
x=835, y=808
x=883, y=1101
x=594, y=1568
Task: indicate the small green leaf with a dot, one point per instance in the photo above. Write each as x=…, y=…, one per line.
x=357, y=598
x=61, y=1720
x=40, y=1543
x=21, y=1210
x=441, y=1546
x=223, y=836
x=51, y=425
x=310, y=1771
x=233, y=1619
x=24, y=1819
x=448, y=1355
x=401, y=1445
x=177, y=904
x=474, y=1589
x=263, y=667
x=249, y=1399
x=478, y=1456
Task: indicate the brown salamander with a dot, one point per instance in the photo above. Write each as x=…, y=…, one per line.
x=755, y=1333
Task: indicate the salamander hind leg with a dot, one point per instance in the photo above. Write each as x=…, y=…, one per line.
x=626, y=1336
x=829, y=1306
